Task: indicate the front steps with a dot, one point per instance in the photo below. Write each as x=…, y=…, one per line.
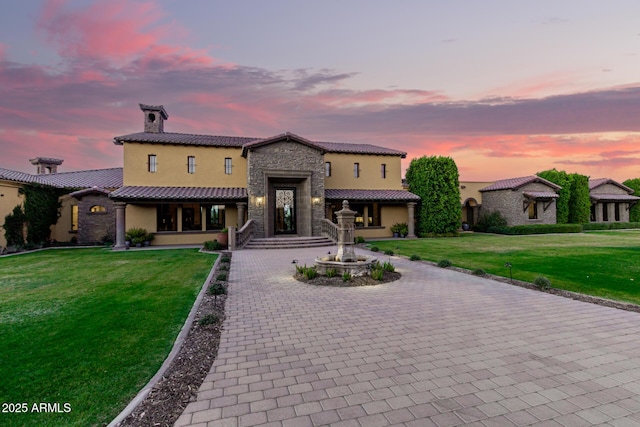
x=288, y=242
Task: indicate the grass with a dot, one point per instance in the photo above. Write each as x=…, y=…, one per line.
x=599, y=263
x=89, y=327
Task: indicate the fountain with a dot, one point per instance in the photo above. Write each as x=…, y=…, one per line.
x=345, y=259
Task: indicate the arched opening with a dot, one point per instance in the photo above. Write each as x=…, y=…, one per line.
x=470, y=211
x=97, y=209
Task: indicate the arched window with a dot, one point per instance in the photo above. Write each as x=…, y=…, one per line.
x=98, y=208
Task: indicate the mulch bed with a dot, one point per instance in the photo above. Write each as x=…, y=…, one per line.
x=179, y=386
x=355, y=281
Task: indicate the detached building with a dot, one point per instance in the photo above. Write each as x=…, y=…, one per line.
x=610, y=200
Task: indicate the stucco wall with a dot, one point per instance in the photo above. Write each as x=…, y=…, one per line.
x=9, y=199
x=61, y=231
x=342, y=175
x=172, y=166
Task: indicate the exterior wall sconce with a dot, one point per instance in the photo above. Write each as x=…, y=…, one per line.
x=259, y=201
x=316, y=200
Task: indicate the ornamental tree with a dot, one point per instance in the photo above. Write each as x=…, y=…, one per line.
x=435, y=179
x=560, y=178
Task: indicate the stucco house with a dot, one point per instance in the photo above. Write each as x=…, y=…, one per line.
x=524, y=200
x=186, y=188
x=610, y=200
x=87, y=213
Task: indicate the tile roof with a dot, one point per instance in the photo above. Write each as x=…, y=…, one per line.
x=106, y=178
x=92, y=190
x=178, y=193
x=515, y=183
x=349, y=148
x=184, y=139
x=538, y=195
x=371, y=195
x=614, y=198
x=285, y=136
x=11, y=175
x=240, y=142
x=595, y=183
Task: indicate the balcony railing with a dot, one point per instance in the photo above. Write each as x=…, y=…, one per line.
x=245, y=234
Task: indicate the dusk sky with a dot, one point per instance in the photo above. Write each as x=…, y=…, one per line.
x=506, y=88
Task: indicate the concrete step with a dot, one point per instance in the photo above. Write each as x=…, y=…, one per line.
x=288, y=242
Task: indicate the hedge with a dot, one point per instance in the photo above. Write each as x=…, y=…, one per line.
x=561, y=228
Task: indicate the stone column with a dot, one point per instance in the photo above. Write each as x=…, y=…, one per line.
x=365, y=214
x=411, y=208
x=232, y=238
x=241, y=209
x=120, y=226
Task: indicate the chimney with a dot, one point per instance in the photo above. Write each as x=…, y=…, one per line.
x=154, y=117
x=46, y=165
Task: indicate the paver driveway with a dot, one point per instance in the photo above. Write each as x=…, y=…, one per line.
x=437, y=348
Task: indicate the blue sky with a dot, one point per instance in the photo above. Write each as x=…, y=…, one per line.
x=504, y=88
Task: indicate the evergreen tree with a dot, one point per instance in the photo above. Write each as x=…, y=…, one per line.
x=580, y=200
x=634, y=212
x=560, y=178
x=435, y=179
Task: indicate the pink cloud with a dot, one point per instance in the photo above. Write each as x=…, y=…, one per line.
x=115, y=29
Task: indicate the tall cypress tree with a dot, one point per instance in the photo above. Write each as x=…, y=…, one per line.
x=580, y=201
x=634, y=212
x=435, y=179
x=560, y=178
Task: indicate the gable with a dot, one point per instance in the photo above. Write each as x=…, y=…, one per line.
x=285, y=137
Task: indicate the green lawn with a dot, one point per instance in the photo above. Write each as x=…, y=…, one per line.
x=89, y=327
x=604, y=264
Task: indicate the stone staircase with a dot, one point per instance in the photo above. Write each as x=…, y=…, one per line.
x=288, y=242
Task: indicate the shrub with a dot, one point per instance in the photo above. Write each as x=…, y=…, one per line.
x=331, y=272
x=136, y=234
x=217, y=289
x=414, y=257
x=222, y=277
x=488, y=220
x=223, y=267
x=300, y=269
x=14, y=227
x=346, y=276
x=479, y=272
x=209, y=319
x=444, y=263
x=310, y=273
x=401, y=228
x=374, y=249
x=377, y=274
x=359, y=239
x=212, y=245
x=542, y=283
x=225, y=259
x=387, y=266
x=388, y=252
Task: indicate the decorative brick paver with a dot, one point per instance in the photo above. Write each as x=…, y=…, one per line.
x=437, y=348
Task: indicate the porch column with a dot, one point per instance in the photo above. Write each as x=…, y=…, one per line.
x=411, y=208
x=365, y=213
x=120, y=226
x=241, y=208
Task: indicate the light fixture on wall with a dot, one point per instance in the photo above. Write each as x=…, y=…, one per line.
x=259, y=201
x=316, y=200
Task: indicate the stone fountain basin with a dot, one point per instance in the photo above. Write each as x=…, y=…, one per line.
x=359, y=267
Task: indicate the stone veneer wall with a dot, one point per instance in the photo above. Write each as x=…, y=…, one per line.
x=93, y=226
x=623, y=207
x=281, y=162
x=509, y=204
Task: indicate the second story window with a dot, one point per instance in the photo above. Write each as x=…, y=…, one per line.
x=356, y=170
x=383, y=170
x=327, y=168
x=227, y=166
x=152, y=162
x=191, y=164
